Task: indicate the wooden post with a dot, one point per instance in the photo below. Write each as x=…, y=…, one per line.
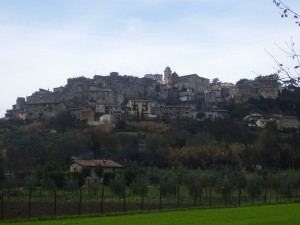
x=142, y=203
x=159, y=198
x=265, y=197
x=178, y=199
x=29, y=203
x=8, y=196
x=55, y=201
x=289, y=191
x=210, y=197
x=240, y=194
x=2, y=205
x=80, y=199
x=195, y=196
x=124, y=200
x=102, y=197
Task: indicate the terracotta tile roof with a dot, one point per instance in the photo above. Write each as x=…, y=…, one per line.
x=96, y=162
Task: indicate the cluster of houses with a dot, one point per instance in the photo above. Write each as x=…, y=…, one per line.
x=107, y=99
x=282, y=122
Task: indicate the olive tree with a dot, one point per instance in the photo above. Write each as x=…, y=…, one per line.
x=140, y=185
x=168, y=183
x=195, y=185
x=289, y=183
x=254, y=186
x=225, y=184
x=70, y=184
x=117, y=185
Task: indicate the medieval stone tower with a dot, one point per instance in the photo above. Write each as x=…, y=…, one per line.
x=168, y=77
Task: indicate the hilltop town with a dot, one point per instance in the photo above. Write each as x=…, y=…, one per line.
x=105, y=99
x=127, y=125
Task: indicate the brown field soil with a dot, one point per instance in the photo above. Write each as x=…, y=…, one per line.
x=18, y=210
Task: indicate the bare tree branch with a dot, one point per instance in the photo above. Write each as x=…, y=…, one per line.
x=289, y=76
x=286, y=11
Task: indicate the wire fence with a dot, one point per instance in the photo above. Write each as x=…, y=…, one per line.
x=43, y=203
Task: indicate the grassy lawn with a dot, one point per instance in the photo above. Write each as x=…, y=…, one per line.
x=284, y=214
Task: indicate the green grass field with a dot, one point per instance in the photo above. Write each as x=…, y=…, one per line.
x=284, y=214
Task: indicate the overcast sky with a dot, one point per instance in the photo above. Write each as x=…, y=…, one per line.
x=45, y=42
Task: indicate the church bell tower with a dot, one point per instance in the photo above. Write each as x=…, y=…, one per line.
x=168, y=77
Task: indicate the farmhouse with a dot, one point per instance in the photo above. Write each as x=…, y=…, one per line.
x=108, y=166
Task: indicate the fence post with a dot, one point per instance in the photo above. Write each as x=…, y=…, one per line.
x=159, y=197
x=2, y=205
x=240, y=194
x=142, y=203
x=178, y=199
x=55, y=202
x=80, y=199
x=29, y=203
x=195, y=196
x=265, y=196
x=124, y=202
x=102, y=196
x=210, y=197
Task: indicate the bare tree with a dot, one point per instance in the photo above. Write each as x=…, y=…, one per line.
x=289, y=74
x=287, y=12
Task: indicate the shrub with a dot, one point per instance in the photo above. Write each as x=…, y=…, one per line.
x=195, y=185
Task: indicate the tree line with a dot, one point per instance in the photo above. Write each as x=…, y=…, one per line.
x=227, y=143
x=267, y=185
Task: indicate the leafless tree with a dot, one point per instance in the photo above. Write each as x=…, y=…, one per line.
x=287, y=12
x=289, y=74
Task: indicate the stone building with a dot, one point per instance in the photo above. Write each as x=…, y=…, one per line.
x=129, y=87
x=141, y=108
x=219, y=94
x=108, y=166
x=157, y=77
x=20, y=103
x=269, y=87
x=173, y=112
x=214, y=114
x=186, y=95
x=261, y=86
x=288, y=122
x=43, y=104
x=168, y=77
x=192, y=82
x=86, y=114
x=87, y=99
